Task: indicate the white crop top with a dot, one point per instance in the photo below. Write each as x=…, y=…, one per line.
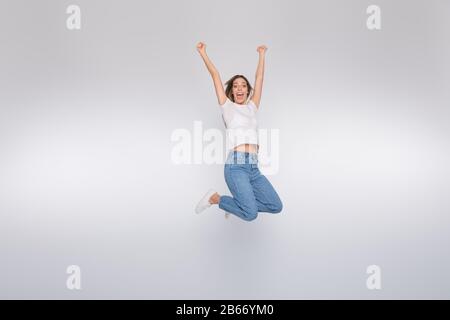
x=241, y=123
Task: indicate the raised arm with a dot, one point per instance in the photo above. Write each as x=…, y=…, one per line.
x=218, y=86
x=256, y=97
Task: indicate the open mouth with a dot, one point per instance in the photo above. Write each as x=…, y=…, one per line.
x=239, y=95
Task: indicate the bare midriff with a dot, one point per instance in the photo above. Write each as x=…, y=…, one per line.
x=250, y=148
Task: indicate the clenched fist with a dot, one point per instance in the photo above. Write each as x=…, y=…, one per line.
x=261, y=49
x=201, y=47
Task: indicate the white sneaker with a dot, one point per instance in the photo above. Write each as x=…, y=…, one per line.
x=204, y=202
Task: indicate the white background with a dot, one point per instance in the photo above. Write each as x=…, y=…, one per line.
x=86, y=176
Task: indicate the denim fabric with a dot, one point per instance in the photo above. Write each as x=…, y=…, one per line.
x=252, y=192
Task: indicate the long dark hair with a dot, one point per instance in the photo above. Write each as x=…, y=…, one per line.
x=229, y=89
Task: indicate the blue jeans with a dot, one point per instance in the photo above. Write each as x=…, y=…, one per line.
x=252, y=192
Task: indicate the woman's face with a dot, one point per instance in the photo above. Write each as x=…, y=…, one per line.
x=240, y=90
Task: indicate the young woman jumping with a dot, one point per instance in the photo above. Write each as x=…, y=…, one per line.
x=252, y=192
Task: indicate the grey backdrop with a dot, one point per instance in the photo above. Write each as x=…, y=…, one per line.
x=86, y=176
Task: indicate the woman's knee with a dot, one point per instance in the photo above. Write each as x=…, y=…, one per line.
x=276, y=206
x=250, y=217
x=250, y=213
